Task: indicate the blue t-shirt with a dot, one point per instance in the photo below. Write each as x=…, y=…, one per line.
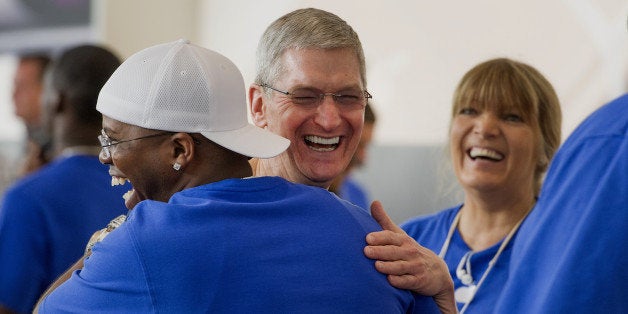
x=46, y=219
x=259, y=245
x=572, y=256
x=352, y=191
x=431, y=232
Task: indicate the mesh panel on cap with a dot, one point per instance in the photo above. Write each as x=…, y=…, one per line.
x=124, y=95
x=182, y=87
x=184, y=83
x=229, y=90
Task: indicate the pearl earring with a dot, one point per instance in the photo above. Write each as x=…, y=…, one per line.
x=176, y=166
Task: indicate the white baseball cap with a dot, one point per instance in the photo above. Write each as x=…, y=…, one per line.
x=182, y=87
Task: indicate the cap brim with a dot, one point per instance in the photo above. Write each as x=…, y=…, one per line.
x=250, y=141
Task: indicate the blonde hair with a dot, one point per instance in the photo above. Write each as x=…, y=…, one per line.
x=503, y=85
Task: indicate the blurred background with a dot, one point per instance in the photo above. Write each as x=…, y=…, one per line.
x=416, y=51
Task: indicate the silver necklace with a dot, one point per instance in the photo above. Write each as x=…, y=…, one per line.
x=466, y=293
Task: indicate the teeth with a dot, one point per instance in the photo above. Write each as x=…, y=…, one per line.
x=320, y=149
x=127, y=195
x=485, y=153
x=322, y=140
x=117, y=181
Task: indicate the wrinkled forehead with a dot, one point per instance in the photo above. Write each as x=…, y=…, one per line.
x=296, y=60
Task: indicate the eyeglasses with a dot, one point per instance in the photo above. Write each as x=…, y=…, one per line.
x=311, y=98
x=106, y=142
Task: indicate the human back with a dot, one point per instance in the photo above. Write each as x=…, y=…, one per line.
x=571, y=256
x=256, y=245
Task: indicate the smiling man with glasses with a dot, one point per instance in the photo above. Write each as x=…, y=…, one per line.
x=303, y=57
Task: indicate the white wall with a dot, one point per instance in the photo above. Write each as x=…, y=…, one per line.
x=11, y=127
x=417, y=50
x=129, y=26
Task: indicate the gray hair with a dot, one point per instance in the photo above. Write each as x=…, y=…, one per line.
x=300, y=29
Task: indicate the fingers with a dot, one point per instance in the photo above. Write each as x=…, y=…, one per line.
x=378, y=213
x=395, y=268
x=383, y=250
x=383, y=238
x=407, y=282
x=401, y=276
x=420, y=276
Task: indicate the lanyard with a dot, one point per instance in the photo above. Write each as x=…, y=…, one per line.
x=470, y=291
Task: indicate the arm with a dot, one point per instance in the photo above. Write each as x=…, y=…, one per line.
x=96, y=237
x=407, y=264
x=63, y=278
x=107, y=280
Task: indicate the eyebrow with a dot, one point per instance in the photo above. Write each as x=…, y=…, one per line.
x=336, y=90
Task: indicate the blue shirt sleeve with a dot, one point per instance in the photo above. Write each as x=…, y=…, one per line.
x=112, y=272
x=23, y=270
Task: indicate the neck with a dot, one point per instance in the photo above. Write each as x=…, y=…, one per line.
x=72, y=135
x=485, y=222
x=274, y=167
x=195, y=175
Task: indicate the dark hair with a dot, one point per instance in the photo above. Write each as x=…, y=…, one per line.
x=79, y=74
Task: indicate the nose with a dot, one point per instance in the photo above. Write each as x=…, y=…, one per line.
x=487, y=125
x=104, y=157
x=328, y=114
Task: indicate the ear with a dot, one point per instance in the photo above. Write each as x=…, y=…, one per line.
x=57, y=103
x=183, y=149
x=256, y=105
x=52, y=106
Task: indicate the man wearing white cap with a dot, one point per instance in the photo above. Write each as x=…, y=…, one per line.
x=202, y=236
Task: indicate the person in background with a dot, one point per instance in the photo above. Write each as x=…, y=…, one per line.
x=46, y=218
x=27, y=92
x=203, y=235
x=570, y=255
x=504, y=130
x=345, y=185
x=310, y=87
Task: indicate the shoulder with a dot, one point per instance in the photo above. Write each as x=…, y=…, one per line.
x=114, y=259
x=429, y=224
x=23, y=193
x=607, y=121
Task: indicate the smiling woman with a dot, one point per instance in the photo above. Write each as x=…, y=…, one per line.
x=504, y=130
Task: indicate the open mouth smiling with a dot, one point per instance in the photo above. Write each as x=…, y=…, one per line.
x=115, y=180
x=485, y=154
x=321, y=144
